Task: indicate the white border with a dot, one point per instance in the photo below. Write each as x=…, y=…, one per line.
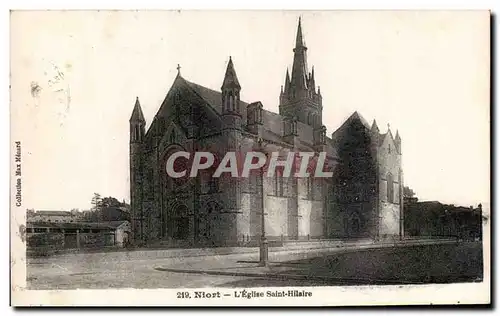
x=96, y=297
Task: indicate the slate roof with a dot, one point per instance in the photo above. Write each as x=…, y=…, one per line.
x=354, y=117
x=272, y=122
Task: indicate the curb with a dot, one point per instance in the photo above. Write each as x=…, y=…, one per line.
x=347, y=281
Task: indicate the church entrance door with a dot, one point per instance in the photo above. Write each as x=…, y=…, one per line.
x=181, y=228
x=180, y=223
x=352, y=225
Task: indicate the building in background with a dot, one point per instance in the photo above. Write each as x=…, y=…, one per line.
x=434, y=219
x=53, y=216
x=45, y=238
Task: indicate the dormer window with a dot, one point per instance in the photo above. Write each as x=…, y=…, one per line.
x=389, y=148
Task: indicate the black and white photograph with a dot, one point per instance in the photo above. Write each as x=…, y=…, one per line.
x=266, y=158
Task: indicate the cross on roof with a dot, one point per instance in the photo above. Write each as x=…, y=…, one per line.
x=178, y=68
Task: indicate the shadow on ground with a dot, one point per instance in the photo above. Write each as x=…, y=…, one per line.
x=447, y=263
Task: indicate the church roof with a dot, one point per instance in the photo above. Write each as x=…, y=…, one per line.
x=354, y=117
x=212, y=97
x=272, y=122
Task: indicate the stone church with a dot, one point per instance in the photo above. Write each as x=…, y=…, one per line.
x=363, y=199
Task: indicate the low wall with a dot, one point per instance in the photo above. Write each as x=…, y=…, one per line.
x=50, y=243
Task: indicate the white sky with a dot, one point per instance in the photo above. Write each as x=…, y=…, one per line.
x=425, y=73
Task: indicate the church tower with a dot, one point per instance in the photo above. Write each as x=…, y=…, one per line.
x=299, y=98
x=137, y=131
x=231, y=135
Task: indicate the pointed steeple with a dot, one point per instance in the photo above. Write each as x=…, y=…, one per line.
x=231, y=91
x=230, y=79
x=137, y=115
x=374, y=128
x=312, y=83
x=299, y=41
x=397, y=141
x=287, y=81
x=299, y=97
x=299, y=68
x=137, y=124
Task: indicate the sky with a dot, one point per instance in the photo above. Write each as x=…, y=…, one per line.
x=75, y=76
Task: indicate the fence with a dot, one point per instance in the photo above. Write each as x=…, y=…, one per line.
x=47, y=243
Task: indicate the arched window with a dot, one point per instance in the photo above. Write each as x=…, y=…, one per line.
x=213, y=210
x=231, y=100
x=390, y=188
x=172, y=136
x=137, y=137
x=278, y=182
x=180, y=221
x=315, y=120
x=310, y=187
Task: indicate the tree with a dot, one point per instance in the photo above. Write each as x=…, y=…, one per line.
x=408, y=193
x=110, y=202
x=96, y=202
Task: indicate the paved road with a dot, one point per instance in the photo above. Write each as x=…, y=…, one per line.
x=51, y=273
x=441, y=263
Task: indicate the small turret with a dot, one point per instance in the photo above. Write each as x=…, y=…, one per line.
x=254, y=118
x=231, y=91
x=397, y=142
x=137, y=124
x=290, y=132
x=374, y=129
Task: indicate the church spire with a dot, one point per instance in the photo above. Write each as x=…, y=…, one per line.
x=231, y=90
x=299, y=98
x=137, y=115
x=397, y=141
x=299, y=41
x=137, y=124
x=312, y=81
x=230, y=79
x=299, y=68
x=375, y=127
x=287, y=81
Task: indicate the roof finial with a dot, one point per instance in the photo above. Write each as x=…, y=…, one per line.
x=178, y=69
x=388, y=126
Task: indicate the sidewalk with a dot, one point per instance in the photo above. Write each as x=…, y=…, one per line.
x=146, y=254
x=289, y=263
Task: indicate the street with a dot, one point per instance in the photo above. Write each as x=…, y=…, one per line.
x=444, y=263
